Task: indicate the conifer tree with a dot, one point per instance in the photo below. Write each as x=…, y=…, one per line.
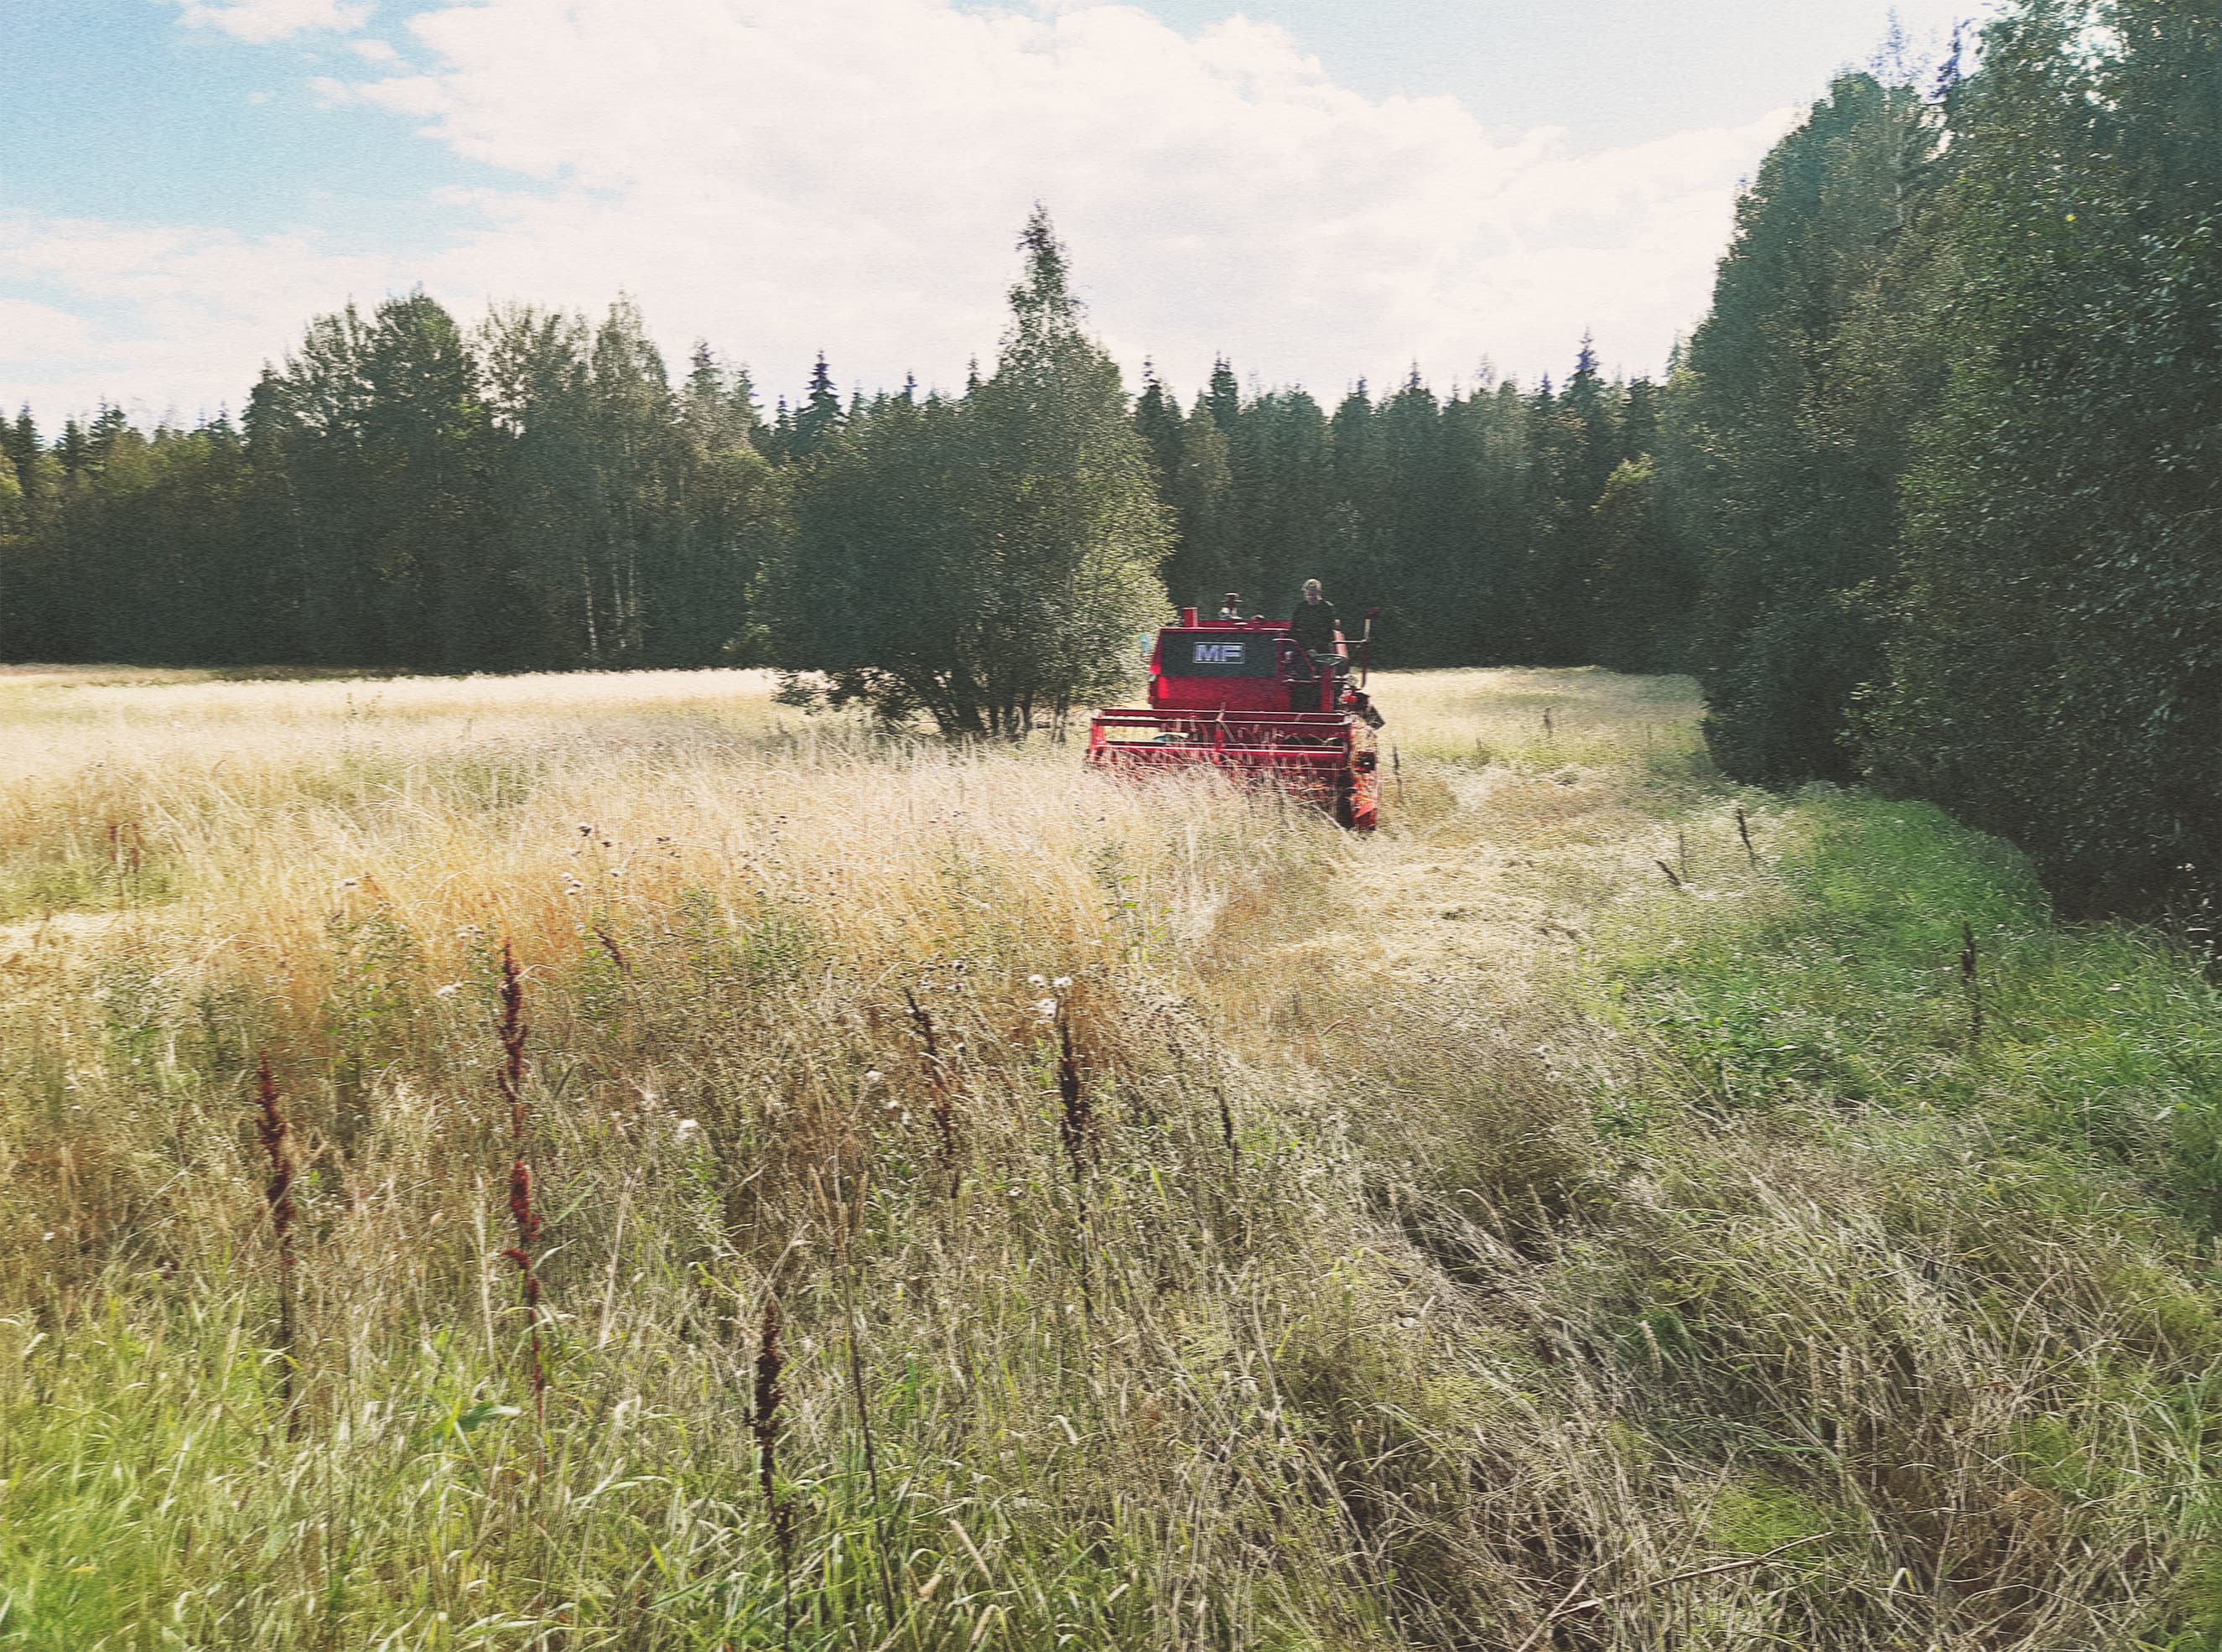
x=1157, y=417
x=1285, y=527
x=820, y=415
x=72, y=449
x=19, y=443
x=1491, y=446
x=1223, y=397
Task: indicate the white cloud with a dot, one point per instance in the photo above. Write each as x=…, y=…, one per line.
x=41, y=328
x=262, y=21
x=161, y=321
x=851, y=174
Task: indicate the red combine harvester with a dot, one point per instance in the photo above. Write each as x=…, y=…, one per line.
x=1243, y=695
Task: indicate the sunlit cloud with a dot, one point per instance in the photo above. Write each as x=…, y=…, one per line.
x=850, y=175
x=259, y=21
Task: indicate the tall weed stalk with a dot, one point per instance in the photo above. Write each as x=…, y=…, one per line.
x=524, y=1214
x=766, y=1423
x=276, y=1134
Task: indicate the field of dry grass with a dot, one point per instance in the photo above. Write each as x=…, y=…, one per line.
x=975, y=1202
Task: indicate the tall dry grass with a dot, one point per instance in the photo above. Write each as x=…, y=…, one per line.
x=975, y=1202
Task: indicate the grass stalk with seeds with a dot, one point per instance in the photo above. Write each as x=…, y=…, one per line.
x=276, y=1134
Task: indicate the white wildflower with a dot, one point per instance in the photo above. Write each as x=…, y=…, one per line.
x=1047, y=1009
x=448, y=991
x=1062, y=981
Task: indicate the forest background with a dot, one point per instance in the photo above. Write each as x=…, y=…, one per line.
x=1929, y=499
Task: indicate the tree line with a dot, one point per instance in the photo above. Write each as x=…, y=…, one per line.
x=402, y=494
x=1497, y=524
x=405, y=492
x=1947, y=449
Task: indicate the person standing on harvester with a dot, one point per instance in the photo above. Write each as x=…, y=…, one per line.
x=1313, y=623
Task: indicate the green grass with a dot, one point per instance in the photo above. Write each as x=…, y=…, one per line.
x=1852, y=1160
x=1834, y=977
x=1442, y=1281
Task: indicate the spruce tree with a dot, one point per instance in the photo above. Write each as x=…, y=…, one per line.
x=1489, y=440
x=1223, y=397
x=1284, y=527
x=72, y=448
x=1643, y=585
x=1157, y=417
x=1422, y=577
x=19, y=443
x=819, y=417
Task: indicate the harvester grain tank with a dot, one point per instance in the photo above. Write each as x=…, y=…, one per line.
x=1244, y=696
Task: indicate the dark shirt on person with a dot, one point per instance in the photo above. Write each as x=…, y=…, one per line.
x=1312, y=626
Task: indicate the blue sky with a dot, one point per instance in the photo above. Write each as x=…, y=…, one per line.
x=133, y=116
x=1615, y=71
x=1322, y=191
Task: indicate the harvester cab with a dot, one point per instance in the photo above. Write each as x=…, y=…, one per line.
x=1244, y=696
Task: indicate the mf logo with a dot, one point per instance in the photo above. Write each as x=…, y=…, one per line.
x=1219, y=653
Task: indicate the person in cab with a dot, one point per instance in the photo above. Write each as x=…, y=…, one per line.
x=1313, y=623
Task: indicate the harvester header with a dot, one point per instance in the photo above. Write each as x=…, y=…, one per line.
x=1246, y=696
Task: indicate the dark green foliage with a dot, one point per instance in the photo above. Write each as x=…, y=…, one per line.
x=1792, y=519
x=1640, y=574
x=818, y=418
x=985, y=561
x=1195, y=484
x=401, y=495
x=1949, y=450
x=1282, y=498
x=1470, y=521
x=2058, y=657
x=381, y=439
x=536, y=492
